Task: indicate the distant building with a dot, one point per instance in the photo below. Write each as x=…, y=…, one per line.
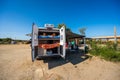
x=106, y=38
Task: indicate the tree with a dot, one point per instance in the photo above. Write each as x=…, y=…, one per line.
x=61, y=25
x=82, y=31
x=68, y=29
x=5, y=40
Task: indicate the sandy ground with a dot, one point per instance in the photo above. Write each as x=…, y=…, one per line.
x=15, y=64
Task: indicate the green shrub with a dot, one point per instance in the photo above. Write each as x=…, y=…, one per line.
x=5, y=40
x=108, y=52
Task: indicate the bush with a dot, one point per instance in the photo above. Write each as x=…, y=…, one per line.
x=108, y=52
x=5, y=40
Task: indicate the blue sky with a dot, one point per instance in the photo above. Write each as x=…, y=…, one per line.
x=98, y=16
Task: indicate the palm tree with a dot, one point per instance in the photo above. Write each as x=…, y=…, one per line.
x=61, y=25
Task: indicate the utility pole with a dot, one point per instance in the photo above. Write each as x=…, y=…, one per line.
x=115, y=39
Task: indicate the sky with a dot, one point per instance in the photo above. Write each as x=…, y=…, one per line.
x=98, y=16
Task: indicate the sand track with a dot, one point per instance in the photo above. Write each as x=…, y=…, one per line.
x=15, y=64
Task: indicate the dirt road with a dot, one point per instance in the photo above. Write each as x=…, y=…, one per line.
x=15, y=64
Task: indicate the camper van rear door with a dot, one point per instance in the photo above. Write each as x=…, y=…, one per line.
x=34, y=43
x=62, y=42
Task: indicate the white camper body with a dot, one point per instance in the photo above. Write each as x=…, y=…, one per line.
x=43, y=36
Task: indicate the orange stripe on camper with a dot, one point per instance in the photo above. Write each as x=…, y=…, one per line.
x=49, y=46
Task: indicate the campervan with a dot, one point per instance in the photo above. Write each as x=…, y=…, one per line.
x=47, y=41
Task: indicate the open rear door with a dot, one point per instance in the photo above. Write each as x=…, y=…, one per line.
x=34, y=43
x=62, y=42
